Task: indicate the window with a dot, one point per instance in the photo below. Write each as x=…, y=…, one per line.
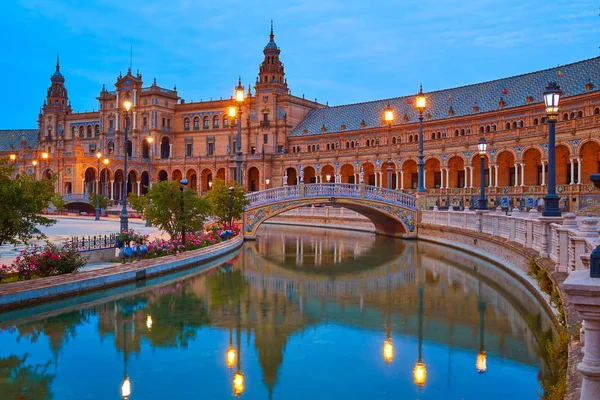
x=196, y=123
x=111, y=105
x=73, y=132
x=89, y=131
x=393, y=141
x=81, y=131
x=266, y=118
x=205, y=123
x=253, y=150
x=166, y=103
x=597, y=110
x=216, y=122
x=164, y=122
x=225, y=122
x=580, y=114
x=145, y=102
x=97, y=130
x=507, y=125
x=145, y=122
x=565, y=117
x=481, y=129
x=111, y=124
x=189, y=149
x=265, y=138
x=168, y=123
x=211, y=149
x=186, y=124
x=280, y=149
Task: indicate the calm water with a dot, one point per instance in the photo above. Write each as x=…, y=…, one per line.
x=304, y=313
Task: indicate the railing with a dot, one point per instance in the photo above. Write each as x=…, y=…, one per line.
x=83, y=243
x=567, y=243
x=70, y=197
x=331, y=190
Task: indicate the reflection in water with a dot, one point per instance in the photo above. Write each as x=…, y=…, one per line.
x=292, y=310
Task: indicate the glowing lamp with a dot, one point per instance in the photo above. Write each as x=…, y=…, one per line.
x=239, y=92
x=13, y=157
x=99, y=155
x=34, y=162
x=238, y=384
x=231, y=356
x=231, y=112
x=210, y=184
x=106, y=161
x=149, y=139
x=388, y=351
x=267, y=181
x=149, y=322
x=552, y=98
x=481, y=363
x=45, y=155
x=388, y=115
x=126, y=388
x=482, y=146
x=328, y=177
x=420, y=374
x=420, y=101
x=127, y=104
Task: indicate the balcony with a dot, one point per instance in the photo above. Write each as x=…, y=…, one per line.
x=265, y=124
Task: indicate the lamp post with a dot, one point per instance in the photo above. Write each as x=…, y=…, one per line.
x=231, y=189
x=482, y=148
x=388, y=118
x=183, y=183
x=45, y=157
x=124, y=216
x=552, y=99
x=420, y=104
x=233, y=112
x=267, y=181
x=98, y=156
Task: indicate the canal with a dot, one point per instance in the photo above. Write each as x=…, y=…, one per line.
x=300, y=313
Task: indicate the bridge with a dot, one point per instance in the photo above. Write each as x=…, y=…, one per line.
x=393, y=213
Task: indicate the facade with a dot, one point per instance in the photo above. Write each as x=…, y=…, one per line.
x=288, y=139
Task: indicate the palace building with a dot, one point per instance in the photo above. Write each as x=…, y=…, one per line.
x=288, y=139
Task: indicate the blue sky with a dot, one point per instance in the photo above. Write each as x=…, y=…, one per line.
x=339, y=51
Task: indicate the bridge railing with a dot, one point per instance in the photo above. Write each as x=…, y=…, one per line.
x=331, y=190
x=69, y=197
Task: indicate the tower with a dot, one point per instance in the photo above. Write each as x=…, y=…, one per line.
x=56, y=106
x=271, y=72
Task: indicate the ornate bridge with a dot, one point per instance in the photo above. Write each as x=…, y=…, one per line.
x=393, y=213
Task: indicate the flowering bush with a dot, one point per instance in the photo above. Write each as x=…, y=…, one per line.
x=3, y=271
x=124, y=238
x=193, y=241
x=38, y=261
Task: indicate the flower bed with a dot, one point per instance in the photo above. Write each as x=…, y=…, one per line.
x=41, y=261
x=193, y=241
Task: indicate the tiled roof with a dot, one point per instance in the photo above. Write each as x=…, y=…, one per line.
x=13, y=137
x=514, y=91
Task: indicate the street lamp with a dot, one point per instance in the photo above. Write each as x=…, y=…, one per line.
x=239, y=99
x=13, y=157
x=388, y=118
x=420, y=104
x=481, y=363
x=210, y=185
x=328, y=177
x=34, y=163
x=183, y=183
x=98, y=156
x=420, y=371
x=267, y=181
x=482, y=148
x=124, y=216
x=45, y=157
x=552, y=99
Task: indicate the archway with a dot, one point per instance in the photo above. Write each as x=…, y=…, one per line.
x=145, y=148
x=145, y=181
x=104, y=182
x=590, y=161
x=410, y=177
x=118, y=185
x=253, y=179
x=309, y=175
x=90, y=180
x=192, y=178
x=221, y=174
x=506, y=168
x=476, y=164
x=457, y=172
x=563, y=165
x=177, y=175
x=533, y=167
x=347, y=173
x=433, y=175
x=165, y=148
x=328, y=171
x=163, y=175
x=206, y=180
x=132, y=186
x=384, y=168
x=291, y=176
x=369, y=173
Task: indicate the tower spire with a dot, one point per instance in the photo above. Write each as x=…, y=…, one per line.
x=130, y=58
x=272, y=35
x=57, y=61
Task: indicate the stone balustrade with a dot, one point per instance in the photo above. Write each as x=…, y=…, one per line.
x=567, y=241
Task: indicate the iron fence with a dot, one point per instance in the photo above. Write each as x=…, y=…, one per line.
x=99, y=242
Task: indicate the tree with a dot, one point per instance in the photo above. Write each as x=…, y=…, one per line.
x=138, y=203
x=103, y=202
x=164, y=210
x=59, y=203
x=22, y=200
x=218, y=198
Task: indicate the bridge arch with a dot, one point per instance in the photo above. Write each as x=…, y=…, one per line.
x=393, y=213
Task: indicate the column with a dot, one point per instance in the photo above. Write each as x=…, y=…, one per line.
x=135, y=120
x=402, y=179
x=442, y=173
x=139, y=193
x=578, y=170
x=572, y=172
x=516, y=174
x=170, y=150
x=543, y=173
x=83, y=185
x=496, y=168
x=471, y=169
x=397, y=181
x=112, y=190
x=491, y=177
x=447, y=178
x=381, y=179
x=522, y=174
x=466, y=178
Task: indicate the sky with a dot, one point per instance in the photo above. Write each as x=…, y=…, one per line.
x=337, y=51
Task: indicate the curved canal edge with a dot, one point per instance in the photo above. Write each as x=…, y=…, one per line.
x=515, y=260
x=25, y=293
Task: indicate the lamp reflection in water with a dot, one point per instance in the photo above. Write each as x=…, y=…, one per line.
x=149, y=322
x=126, y=386
x=238, y=378
x=420, y=371
x=388, y=346
x=230, y=355
x=481, y=363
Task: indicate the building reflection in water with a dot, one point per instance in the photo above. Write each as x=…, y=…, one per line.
x=289, y=280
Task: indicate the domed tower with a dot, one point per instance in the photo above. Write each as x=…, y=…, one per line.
x=56, y=106
x=271, y=73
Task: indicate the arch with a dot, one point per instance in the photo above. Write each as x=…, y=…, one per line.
x=433, y=176
x=253, y=179
x=347, y=174
x=81, y=131
x=176, y=175
x=225, y=123
x=327, y=170
x=89, y=177
x=192, y=178
x=411, y=174
x=476, y=164
x=309, y=174
x=215, y=122
x=385, y=183
x=456, y=164
x=105, y=187
x=291, y=174
x=505, y=160
x=565, y=117
x=389, y=220
x=145, y=182
x=596, y=110
x=221, y=174
x=205, y=179
x=563, y=164
x=536, y=121
x=118, y=186
x=590, y=160
x=165, y=147
x=368, y=169
x=196, y=123
x=186, y=124
x=111, y=147
x=532, y=157
x=89, y=131
x=163, y=175
x=132, y=182
x=205, y=122
x=145, y=148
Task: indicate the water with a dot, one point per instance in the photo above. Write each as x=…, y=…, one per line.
x=306, y=312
